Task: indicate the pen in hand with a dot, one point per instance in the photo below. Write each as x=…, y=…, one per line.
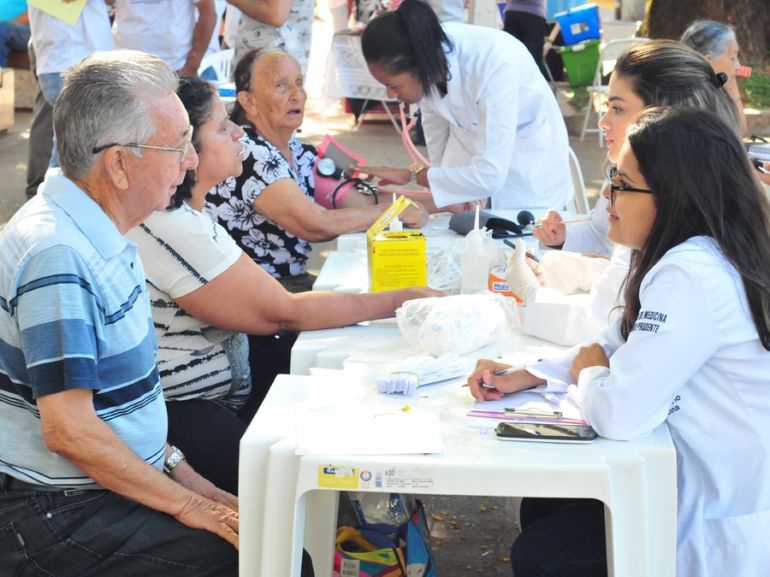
x=568, y=221
x=499, y=373
x=529, y=254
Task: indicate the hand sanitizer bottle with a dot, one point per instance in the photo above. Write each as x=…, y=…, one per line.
x=475, y=260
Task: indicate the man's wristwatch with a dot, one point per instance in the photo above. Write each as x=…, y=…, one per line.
x=173, y=460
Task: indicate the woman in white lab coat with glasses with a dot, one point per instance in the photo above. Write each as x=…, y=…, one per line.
x=691, y=348
x=492, y=125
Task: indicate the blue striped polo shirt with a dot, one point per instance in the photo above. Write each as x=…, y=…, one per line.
x=74, y=314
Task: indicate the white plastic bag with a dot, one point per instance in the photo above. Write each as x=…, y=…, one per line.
x=444, y=270
x=457, y=324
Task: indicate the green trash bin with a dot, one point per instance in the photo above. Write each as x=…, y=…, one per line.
x=580, y=61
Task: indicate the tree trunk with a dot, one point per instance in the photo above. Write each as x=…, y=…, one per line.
x=751, y=19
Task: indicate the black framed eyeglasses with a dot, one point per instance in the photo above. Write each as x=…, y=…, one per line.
x=182, y=151
x=616, y=184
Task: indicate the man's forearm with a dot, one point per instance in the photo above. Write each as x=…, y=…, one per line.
x=204, y=28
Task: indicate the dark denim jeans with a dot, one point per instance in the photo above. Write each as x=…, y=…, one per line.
x=101, y=534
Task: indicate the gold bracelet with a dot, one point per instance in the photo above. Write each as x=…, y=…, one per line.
x=414, y=170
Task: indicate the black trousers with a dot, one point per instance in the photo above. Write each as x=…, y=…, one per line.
x=531, y=31
x=560, y=538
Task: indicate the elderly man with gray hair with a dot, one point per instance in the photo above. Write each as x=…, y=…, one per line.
x=82, y=420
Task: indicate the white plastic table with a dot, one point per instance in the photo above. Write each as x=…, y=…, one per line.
x=283, y=507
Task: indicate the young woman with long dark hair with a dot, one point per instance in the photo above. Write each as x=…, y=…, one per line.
x=661, y=72
x=692, y=349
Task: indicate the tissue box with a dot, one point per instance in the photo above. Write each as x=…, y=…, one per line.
x=395, y=259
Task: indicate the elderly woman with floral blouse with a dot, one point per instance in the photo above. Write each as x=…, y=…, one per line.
x=269, y=209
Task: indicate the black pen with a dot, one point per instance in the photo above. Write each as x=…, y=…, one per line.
x=499, y=373
x=529, y=254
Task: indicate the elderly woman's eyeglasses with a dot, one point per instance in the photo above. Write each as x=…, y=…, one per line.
x=616, y=184
x=182, y=151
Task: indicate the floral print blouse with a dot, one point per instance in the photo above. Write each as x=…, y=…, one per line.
x=232, y=203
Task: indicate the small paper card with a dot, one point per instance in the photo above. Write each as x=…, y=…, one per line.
x=68, y=12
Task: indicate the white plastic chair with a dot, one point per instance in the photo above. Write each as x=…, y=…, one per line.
x=610, y=51
x=221, y=62
x=579, y=202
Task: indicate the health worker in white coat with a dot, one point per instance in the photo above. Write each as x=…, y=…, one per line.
x=492, y=125
x=577, y=294
x=691, y=349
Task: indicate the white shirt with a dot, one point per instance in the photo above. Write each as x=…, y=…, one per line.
x=219, y=8
x=232, y=21
x=694, y=360
x=449, y=10
x=59, y=45
x=182, y=250
x=161, y=27
x=499, y=131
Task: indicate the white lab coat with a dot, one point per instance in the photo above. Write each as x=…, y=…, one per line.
x=591, y=235
x=694, y=360
x=499, y=131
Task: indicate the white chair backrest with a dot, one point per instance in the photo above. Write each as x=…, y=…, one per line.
x=579, y=202
x=609, y=54
x=221, y=62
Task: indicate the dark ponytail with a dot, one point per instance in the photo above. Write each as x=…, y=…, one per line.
x=409, y=39
x=197, y=96
x=242, y=78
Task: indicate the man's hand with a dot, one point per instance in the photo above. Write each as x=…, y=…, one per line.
x=201, y=513
x=188, y=477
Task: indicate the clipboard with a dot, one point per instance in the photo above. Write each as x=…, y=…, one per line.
x=530, y=407
x=525, y=417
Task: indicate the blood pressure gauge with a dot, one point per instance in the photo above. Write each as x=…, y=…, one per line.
x=326, y=167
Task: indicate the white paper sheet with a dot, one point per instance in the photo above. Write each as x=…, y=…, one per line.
x=370, y=429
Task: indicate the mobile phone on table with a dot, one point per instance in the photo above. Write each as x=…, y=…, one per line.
x=545, y=432
x=759, y=165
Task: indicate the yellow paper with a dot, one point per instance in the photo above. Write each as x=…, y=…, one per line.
x=68, y=12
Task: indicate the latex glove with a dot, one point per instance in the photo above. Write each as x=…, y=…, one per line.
x=571, y=272
x=519, y=275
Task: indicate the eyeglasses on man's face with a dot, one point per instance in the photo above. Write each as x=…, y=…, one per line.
x=617, y=184
x=181, y=151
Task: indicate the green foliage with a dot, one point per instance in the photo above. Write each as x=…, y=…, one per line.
x=756, y=90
